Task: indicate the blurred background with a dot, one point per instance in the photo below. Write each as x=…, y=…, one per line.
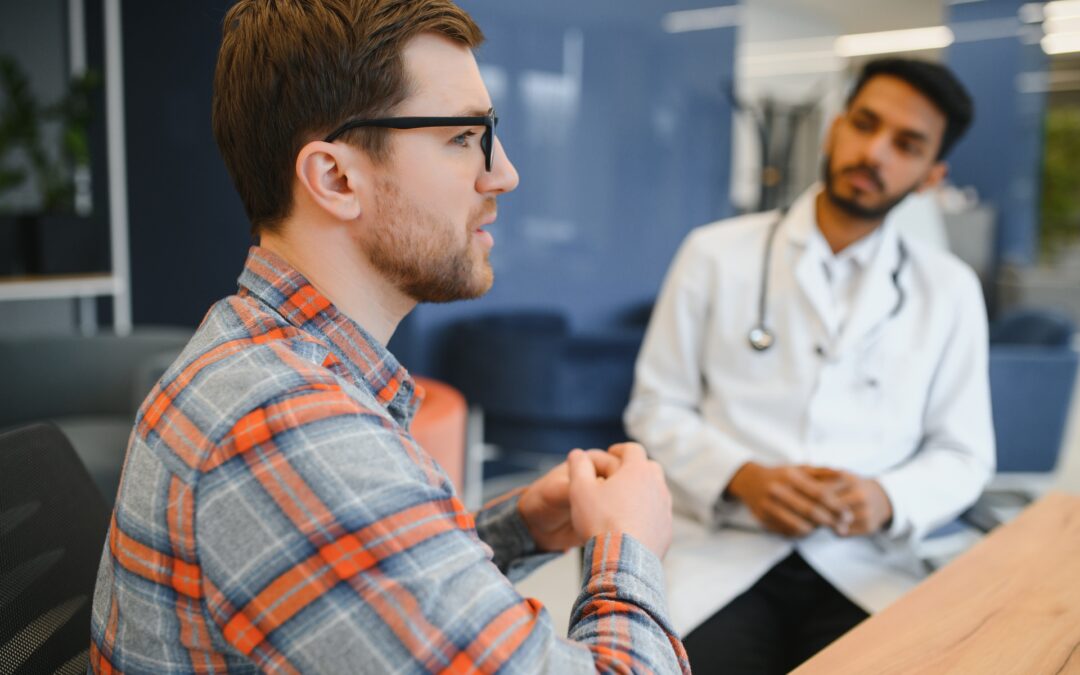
x=630, y=122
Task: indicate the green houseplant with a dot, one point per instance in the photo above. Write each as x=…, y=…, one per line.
x=26, y=155
x=1061, y=182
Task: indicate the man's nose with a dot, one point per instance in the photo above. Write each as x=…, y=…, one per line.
x=877, y=149
x=503, y=177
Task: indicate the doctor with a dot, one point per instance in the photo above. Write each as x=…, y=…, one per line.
x=816, y=389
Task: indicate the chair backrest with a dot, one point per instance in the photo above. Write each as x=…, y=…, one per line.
x=52, y=529
x=439, y=426
x=494, y=360
x=54, y=376
x=1034, y=327
x=1031, y=392
x=530, y=367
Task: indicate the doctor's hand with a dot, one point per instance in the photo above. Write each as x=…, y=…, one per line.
x=787, y=500
x=633, y=500
x=863, y=498
x=545, y=503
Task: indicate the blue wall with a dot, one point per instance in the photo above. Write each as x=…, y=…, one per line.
x=188, y=233
x=1002, y=154
x=621, y=135
x=619, y=130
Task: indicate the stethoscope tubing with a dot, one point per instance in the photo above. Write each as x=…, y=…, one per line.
x=761, y=337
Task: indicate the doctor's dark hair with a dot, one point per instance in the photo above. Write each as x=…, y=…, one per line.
x=290, y=71
x=935, y=82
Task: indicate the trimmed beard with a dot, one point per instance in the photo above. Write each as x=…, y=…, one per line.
x=852, y=207
x=419, y=252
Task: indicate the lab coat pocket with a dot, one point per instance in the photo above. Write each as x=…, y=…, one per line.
x=896, y=382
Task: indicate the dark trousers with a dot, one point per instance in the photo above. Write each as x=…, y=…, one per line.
x=789, y=615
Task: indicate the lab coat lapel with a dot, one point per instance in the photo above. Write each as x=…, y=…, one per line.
x=815, y=288
x=809, y=275
x=877, y=296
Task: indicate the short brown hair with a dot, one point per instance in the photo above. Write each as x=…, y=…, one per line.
x=289, y=71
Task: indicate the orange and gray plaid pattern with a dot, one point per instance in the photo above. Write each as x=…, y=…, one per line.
x=275, y=515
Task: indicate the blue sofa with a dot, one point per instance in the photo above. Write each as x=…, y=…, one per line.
x=545, y=389
x=1032, y=374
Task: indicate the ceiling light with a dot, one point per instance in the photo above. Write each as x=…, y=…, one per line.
x=1062, y=25
x=888, y=42
x=1031, y=12
x=707, y=18
x=1061, y=9
x=1061, y=43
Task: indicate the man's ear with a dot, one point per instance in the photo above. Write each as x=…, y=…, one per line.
x=333, y=177
x=934, y=177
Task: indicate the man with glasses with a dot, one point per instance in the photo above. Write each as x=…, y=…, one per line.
x=274, y=512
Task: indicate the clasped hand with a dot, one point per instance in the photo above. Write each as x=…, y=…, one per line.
x=794, y=500
x=594, y=492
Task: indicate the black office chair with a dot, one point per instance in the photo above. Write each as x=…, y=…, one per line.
x=52, y=528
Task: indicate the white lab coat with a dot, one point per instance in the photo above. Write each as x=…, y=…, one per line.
x=903, y=398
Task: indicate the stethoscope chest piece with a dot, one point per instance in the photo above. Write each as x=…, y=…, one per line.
x=761, y=338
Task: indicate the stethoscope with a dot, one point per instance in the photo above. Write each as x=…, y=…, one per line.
x=761, y=337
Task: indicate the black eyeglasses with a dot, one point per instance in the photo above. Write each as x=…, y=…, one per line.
x=487, y=121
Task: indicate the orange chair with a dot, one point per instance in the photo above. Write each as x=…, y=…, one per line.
x=440, y=427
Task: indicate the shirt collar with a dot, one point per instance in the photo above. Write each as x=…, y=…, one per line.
x=802, y=229
x=270, y=279
x=861, y=252
x=800, y=219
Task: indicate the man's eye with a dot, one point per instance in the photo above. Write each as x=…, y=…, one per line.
x=909, y=148
x=862, y=124
x=463, y=138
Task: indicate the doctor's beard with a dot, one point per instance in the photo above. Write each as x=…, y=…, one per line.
x=852, y=207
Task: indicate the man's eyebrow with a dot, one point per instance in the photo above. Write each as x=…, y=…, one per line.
x=474, y=112
x=914, y=135
x=911, y=134
x=867, y=112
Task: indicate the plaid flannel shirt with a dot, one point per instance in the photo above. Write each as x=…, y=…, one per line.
x=275, y=515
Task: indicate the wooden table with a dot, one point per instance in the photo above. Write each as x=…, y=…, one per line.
x=1011, y=604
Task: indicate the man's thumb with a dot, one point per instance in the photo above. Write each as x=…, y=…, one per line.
x=581, y=469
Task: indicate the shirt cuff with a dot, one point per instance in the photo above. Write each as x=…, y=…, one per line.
x=900, y=525
x=618, y=566
x=500, y=525
x=724, y=508
x=728, y=509
x=701, y=495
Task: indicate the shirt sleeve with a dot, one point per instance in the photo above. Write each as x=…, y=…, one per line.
x=957, y=455
x=500, y=525
x=328, y=542
x=664, y=413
